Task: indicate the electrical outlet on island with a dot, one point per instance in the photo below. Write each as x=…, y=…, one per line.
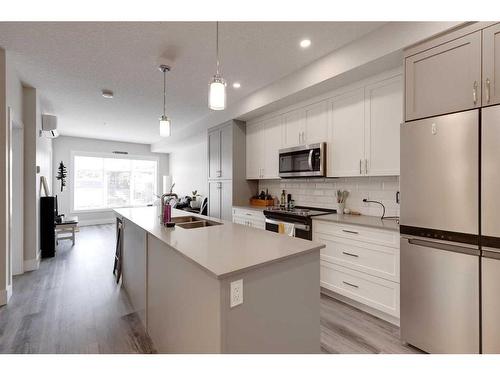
x=236, y=295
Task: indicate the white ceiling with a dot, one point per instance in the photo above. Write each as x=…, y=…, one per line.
x=70, y=63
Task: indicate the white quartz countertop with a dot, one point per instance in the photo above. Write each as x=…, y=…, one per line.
x=363, y=220
x=220, y=249
x=249, y=207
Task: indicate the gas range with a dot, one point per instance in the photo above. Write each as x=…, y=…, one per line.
x=298, y=211
x=299, y=217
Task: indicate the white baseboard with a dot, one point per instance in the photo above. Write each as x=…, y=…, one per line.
x=5, y=295
x=370, y=310
x=32, y=264
x=84, y=223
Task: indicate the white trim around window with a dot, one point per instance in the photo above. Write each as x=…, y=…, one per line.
x=110, y=155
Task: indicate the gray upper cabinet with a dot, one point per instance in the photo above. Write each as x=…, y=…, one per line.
x=214, y=154
x=226, y=152
x=445, y=78
x=491, y=65
x=227, y=184
x=220, y=153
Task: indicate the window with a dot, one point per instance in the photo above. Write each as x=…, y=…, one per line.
x=103, y=182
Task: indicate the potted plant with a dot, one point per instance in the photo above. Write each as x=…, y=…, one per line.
x=195, y=203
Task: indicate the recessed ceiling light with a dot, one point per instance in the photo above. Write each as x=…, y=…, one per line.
x=236, y=85
x=304, y=43
x=108, y=94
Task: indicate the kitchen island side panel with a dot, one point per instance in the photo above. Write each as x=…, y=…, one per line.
x=134, y=267
x=183, y=303
x=280, y=311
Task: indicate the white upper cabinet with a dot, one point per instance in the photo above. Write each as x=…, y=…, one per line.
x=263, y=144
x=383, y=117
x=293, y=128
x=445, y=78
x=346, y=144
x=360, y=127
x=254, y=150
x=316, y=123
x=272, y=145
x=491, y=65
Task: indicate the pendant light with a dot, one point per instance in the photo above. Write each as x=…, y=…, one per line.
x=164, y=120
x=217, y=87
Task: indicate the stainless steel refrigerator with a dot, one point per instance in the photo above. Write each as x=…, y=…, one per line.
x=440, y=248
x=490, y=229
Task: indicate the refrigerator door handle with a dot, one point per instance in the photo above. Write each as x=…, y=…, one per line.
x=492, y=254
x=444, y=246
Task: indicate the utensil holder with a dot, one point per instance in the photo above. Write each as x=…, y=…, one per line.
x=340, y=208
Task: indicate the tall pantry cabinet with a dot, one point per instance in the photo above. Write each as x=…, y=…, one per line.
x=227, y=185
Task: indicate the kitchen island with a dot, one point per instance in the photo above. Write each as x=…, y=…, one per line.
x=179, y=282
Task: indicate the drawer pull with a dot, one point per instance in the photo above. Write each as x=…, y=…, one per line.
x=248, y=214
x=349, y=231
x=346, y=283
x=350, y=254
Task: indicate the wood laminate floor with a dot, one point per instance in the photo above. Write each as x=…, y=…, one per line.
x=72, y=304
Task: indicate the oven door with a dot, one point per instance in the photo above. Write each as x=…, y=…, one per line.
x=300, y=230
x=303, y=161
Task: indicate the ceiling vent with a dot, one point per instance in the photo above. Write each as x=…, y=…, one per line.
x=49, y=126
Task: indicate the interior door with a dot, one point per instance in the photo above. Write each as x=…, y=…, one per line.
x=439, y=173
x=316, y=122
x=214, y=199
x=345, y=148
x=444, y=79
x=293, y=124
x=383, y=118
x=491, y=65
x=214, y=144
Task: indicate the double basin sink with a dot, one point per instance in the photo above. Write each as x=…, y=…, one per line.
x=191, y=222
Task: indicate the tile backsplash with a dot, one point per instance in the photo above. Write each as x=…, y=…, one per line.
x=320, y=192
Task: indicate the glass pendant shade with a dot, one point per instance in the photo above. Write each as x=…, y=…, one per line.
x=217, y=94
x=164, y=126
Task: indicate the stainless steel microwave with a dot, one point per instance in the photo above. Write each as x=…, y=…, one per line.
x=303, y=161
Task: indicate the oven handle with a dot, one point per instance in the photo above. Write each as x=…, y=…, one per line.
x=297, y=226
x=310, y=160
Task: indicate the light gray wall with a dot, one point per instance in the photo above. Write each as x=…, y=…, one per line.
x=37, y=152
x=15, y=103
x=5, y=279
x=189, y=167
x=64, y=146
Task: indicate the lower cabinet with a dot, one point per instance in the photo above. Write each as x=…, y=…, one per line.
x=220, y=199
x=248, y=217
x=362, y=264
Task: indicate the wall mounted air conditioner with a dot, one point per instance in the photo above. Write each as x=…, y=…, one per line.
x=49, y=126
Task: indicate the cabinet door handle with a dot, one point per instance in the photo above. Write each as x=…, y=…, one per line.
x=488, y=90
x=350, y=231
x=360, y=171
x=474, y=92
x=366, y=166
x=350, y=254
x=353, y=285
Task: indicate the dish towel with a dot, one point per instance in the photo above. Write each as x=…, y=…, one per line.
x=286, y=228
